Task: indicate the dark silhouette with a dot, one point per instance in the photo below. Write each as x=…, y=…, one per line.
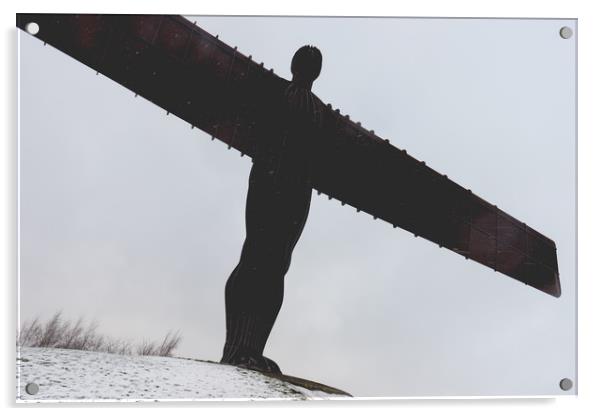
x=278, y=202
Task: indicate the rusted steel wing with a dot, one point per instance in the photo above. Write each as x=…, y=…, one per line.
x=192, y=74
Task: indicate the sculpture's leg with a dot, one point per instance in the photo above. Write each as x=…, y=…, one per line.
x=275, y=216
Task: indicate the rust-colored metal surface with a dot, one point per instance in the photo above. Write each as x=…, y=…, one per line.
x=193, y=75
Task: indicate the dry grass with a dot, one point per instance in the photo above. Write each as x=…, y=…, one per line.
x=59, y=333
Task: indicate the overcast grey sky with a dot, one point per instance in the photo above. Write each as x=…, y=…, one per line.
x=130, y=217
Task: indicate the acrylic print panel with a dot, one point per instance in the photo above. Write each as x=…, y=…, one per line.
x=131, y=219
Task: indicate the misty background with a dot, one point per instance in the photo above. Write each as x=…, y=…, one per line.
x=130, y=217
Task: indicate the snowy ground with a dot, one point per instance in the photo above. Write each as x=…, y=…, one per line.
x=82, y=375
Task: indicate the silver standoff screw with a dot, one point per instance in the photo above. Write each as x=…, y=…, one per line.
x=566, y=32
x=566, y=384
x=32, y=388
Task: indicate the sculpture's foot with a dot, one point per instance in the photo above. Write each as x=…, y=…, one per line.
x=246, y=334
x=253, y=361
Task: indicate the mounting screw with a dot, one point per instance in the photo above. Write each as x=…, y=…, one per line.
x=565, y=33
x=32, y=28
x=32, y=388
x=566, y=384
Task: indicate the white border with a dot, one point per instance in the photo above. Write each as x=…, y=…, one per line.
x=588, y=171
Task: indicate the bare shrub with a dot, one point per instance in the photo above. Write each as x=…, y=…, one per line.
x=146, y=348
x=59, y=333
x=118, y=347
x=169, y=344
x=165, y=349
x=30, y=332
x=71, y=334
x=51, y=332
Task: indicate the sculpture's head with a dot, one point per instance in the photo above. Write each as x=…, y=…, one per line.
x=306, y=65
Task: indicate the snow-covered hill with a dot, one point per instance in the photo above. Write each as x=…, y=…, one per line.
x=83, y=375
